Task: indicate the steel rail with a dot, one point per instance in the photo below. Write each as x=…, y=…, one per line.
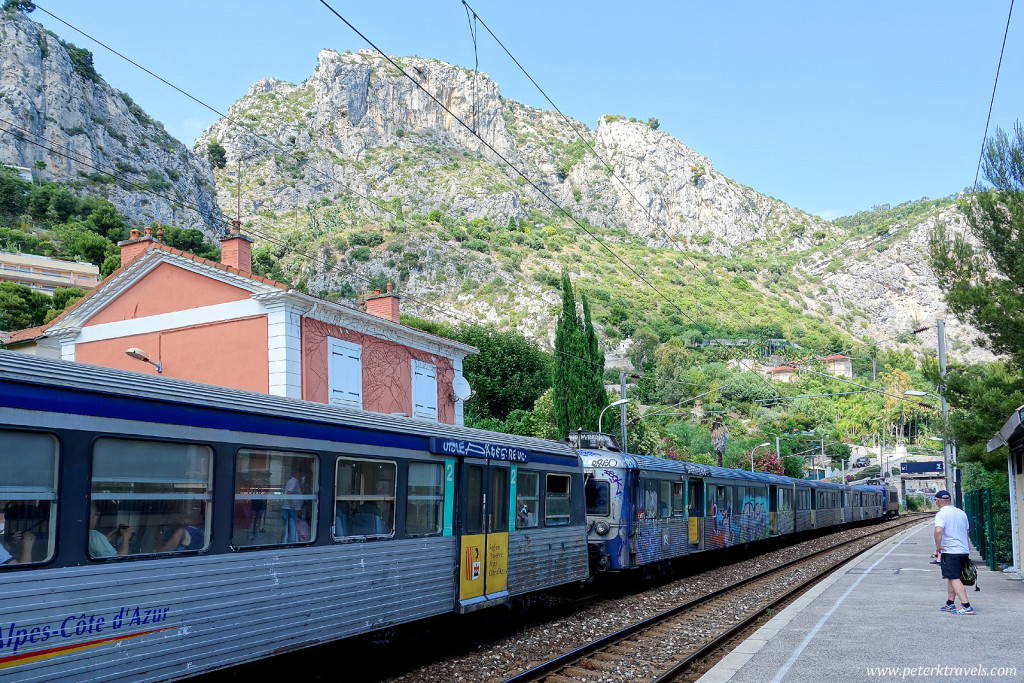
x=579, y=653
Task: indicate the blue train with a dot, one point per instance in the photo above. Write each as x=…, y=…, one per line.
x=644, y=511
x=154, y=528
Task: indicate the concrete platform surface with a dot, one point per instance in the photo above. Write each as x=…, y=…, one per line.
x=877, y=618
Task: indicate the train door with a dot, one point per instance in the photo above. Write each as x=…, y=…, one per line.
x=483, y=557
x=694, y=505
x=773, y=509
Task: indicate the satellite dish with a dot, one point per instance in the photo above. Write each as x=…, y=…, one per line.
x=461, y=388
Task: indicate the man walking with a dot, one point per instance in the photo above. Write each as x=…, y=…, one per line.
x=953, y=546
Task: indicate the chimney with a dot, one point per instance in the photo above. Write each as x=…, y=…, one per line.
x=236, y=249
x=135, y=245
x=383, y=305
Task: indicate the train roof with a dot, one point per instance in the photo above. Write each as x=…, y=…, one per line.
x=650, y=463
x=25, y=369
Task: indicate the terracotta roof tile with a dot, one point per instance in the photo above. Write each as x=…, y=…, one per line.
x=28, y=334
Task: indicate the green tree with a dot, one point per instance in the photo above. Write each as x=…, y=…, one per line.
x=985, y=284
x=190, y=240
x=25, y=6
x=81, y=59
x=545, y=426
x=13, y=193
x=510, y=372
x=20, y=307
x=105, y=220
x=217, y=155
x=63, y=297
x=577, y=368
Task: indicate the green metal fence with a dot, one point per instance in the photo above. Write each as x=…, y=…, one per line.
x=978, y=506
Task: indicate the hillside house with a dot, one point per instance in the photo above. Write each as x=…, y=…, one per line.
x=839, y=365
x=218, y=323
x=781, y=373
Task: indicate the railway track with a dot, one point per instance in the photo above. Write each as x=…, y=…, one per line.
x=665, y=646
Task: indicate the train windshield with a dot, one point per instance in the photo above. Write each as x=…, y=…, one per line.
x=598, y=497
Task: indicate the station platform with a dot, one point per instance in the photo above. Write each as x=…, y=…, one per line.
x=877, y=618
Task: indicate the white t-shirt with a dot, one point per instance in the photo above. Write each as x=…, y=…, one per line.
x=953, y=522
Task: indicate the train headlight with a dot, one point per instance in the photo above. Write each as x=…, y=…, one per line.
x=601, y=528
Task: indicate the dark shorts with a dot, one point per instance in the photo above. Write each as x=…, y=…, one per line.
x=951, y=565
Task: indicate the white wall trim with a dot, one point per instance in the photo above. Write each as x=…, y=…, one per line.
x=460, y=406
x=372, y=326
x=163, y=322
x=284, y=352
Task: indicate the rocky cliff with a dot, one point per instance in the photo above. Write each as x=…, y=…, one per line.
x=62, y=120
x=359, y=133
x=359, y=124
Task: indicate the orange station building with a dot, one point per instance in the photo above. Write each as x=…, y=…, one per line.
x=218, y=323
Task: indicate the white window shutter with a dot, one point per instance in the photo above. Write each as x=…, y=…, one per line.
x=424, y=390
x=345, y=373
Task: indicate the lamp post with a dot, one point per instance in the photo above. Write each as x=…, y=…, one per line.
x=621, y=401
x=760, y=445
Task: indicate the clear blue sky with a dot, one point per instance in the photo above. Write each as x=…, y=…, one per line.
x=832, y=107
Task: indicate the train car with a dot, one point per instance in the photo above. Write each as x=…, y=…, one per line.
x=891, y=501
x=155, y=528
x=643, y=511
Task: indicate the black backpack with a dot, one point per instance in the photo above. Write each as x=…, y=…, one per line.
x=969, y=573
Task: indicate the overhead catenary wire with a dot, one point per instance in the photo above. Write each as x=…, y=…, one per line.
x=144, y=188
x=250, y=130
x=86, y=162
x=371, y=200
x=992, y=101
x=509, y=164
x=272, y=143
x=575, y=129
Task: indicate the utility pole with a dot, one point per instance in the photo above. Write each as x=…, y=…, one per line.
x=947, y=463
x=622, y=409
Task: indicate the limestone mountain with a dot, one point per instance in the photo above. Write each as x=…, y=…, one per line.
x=359, y=124
x=356, y=176
x=62, y=120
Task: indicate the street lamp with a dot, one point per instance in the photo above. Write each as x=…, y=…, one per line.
x=139, y=354
x=620, y=402
x=760, y=445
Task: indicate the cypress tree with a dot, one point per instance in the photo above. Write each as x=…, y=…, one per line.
x=596, y=396
x=579, y=394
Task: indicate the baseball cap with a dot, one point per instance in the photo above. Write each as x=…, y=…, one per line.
x=943, y=494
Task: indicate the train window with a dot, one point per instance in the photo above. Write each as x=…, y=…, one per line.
x=149, y=497
x=649, y=498
x=426, y=498
x=474, y=499
x=787, y=499
x=720, y=501
x=276, y=494
x=556, y=500
x=598, y=497
x=364, y=498
x=665, y=499
x=678, y=499
x=693, y=497
x=28, y=497
x=803, y=499
x=498, y=507
x=527, y=499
